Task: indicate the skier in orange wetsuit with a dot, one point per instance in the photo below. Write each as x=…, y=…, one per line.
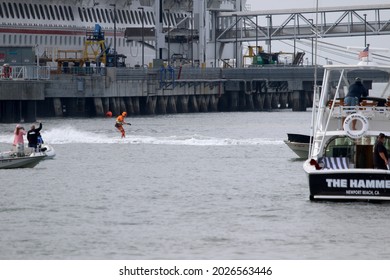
x=120, y=120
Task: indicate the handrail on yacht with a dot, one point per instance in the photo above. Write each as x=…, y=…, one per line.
x=367, y=111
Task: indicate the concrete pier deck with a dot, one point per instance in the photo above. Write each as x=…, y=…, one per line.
x=157, y=91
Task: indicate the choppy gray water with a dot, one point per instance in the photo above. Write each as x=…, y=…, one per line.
x=193, y=186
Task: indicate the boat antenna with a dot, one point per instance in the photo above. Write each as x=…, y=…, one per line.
x=315, y=88
x=315, y=49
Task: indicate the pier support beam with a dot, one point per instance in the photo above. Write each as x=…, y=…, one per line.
x=223, y=103
x=182, y=104
x=129, y=105
x=57, y=107
x=283, y=100
x=136, y=105
x=122, y=105
x=98, y=104
x=202, y=104
x=233, y=104
x=275, y=100
x=242, y=101
x=299, y=101
x=151, y=105
x=162, y=104
x=267, y=101
x=31, y=111
x=193, y=104
x=171, y=106
x=290, y=99
x=114, y=106
x=106, y=104
x=309, y=98
x=249, y=102
x=207, y=102
x=258, y=101
x=213, y=103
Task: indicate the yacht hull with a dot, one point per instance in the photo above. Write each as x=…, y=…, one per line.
x=358, y=184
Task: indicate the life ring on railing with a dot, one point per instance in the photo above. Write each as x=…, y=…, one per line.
x=355, y=134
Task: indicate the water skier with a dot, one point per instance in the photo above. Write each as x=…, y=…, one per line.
x=120, y=120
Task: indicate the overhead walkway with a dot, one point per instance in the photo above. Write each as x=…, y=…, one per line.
x=324, y=22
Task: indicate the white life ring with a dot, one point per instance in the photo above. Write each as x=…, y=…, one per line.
x=355, y=134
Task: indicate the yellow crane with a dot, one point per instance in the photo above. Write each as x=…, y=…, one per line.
x=95, y=51
x=95, y=48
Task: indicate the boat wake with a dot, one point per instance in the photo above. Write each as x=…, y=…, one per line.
x=70, y=135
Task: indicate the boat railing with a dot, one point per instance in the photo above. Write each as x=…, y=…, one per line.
x=367, y=108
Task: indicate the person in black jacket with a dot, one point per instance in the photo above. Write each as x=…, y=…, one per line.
x=32, y=136
x=355, y=92
x=381, y=156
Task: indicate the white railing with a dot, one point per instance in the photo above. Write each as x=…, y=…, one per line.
x=24, y=72
x=367, y=111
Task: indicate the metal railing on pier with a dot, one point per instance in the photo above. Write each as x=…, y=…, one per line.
x=29, y=72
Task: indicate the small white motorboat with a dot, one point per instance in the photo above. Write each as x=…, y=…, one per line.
x=25, y=157
x=299, y=144
x=10, y=160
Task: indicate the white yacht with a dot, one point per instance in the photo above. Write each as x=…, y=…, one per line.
x=340, y=164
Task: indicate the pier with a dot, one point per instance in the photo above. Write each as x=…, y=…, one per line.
x=182, y=58
x=152, y=91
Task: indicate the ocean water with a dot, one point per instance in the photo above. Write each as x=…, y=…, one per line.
x=188, y=186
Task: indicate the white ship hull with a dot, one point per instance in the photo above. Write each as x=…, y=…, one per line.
x=51, y=25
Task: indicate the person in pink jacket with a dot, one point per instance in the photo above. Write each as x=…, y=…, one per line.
x=18, y=138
